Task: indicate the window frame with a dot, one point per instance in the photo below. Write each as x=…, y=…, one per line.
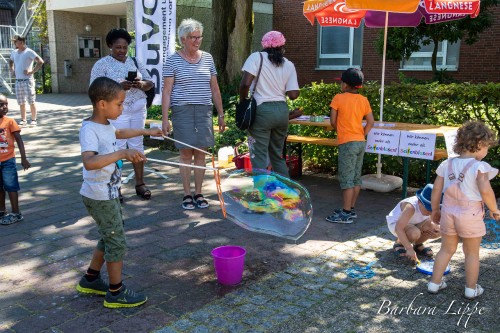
x=349, y=55
x=441, y=54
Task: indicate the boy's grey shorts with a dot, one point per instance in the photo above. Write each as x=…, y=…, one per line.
x=108, y=216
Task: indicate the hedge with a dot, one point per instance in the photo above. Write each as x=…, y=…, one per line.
x=433, y=103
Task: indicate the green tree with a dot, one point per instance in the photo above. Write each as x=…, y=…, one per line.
x=402, y=42
x=232, y=37
x=40, y=21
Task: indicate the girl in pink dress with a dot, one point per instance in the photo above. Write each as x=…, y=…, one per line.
x=465, y=181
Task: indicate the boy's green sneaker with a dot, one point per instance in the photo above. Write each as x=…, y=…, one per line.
x=125, y=299
x=96, y=287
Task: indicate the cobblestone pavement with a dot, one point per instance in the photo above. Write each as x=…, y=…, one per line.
x=287, y=286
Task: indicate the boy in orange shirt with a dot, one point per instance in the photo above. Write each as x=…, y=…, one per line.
x=347, y=112
x=10, y=132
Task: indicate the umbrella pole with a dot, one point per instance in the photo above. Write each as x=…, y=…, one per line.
x=379, y=163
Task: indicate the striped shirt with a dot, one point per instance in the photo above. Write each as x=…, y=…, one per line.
x=191, y=81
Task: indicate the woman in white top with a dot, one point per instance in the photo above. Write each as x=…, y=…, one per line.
x=116, y=66
x=277, y=80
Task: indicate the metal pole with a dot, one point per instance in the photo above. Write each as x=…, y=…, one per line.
x=43, y=68
x=379, y=164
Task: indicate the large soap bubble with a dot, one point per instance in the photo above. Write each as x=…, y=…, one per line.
x=492, y=238
x=267, y=202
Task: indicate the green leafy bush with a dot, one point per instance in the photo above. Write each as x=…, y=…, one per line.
x=432, y=103
x=44, y=87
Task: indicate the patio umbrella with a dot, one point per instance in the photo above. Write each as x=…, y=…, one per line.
x=384, y=14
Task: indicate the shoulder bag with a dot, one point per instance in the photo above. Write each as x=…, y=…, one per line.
x=150, y=94
x=246, y=109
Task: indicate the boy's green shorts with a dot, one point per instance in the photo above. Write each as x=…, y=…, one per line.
x=351, y=163
x=108, y=216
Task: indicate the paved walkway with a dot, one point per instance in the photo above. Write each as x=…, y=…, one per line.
x=287, y=286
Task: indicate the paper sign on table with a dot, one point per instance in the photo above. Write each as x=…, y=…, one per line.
x=449, y=139
x=155, y=125
x=382, y=141
x=417, y=145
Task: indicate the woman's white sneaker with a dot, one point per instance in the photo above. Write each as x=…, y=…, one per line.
x=434, y=288
x=472, y=293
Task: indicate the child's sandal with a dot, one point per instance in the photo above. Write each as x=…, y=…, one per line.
x=399, y=250
x=421, y=250
x=142, y=191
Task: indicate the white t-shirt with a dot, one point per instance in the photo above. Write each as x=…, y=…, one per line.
x=469, y=185
x=274, y=81
x=395, y=214
x=100, y=184
x=23, y=60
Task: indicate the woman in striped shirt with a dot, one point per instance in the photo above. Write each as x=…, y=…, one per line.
x=189, y=88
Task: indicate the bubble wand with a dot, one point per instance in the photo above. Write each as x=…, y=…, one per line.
x=185, y=144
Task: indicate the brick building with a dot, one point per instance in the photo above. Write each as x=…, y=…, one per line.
x=321, y=54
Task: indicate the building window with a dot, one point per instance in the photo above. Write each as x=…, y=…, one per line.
x=340, y=47
x=447, y=57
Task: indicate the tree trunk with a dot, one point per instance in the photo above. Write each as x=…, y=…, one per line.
x=434, y=56
x=231, y=37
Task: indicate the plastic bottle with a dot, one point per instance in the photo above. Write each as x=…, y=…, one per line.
x=225, y=156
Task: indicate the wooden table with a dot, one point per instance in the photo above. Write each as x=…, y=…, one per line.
x=416, y=128
x=390, y=125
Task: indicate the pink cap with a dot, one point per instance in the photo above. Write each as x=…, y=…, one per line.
x=273, y=39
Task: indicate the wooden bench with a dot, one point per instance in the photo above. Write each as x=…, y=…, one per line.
x=158, y=121
x=299, y=140
x=149, y=121
x=439, y=154
x=312, y=140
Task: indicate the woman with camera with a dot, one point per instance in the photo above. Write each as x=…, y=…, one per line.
x=134, y=78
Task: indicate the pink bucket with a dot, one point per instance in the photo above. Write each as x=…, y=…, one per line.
x=229, y=262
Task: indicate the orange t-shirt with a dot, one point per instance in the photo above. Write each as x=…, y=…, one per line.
x=351, y=109
x=7, y=127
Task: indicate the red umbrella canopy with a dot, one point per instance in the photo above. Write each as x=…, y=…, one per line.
x=468, y=7
x=395, y=6
x=332, y=13
x=401, y=13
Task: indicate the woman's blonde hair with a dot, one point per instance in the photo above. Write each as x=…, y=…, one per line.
x=188, y=26
x=472, y=136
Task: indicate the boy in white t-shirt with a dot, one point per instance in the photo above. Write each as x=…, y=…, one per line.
x=102, y=164
x=410, y=222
